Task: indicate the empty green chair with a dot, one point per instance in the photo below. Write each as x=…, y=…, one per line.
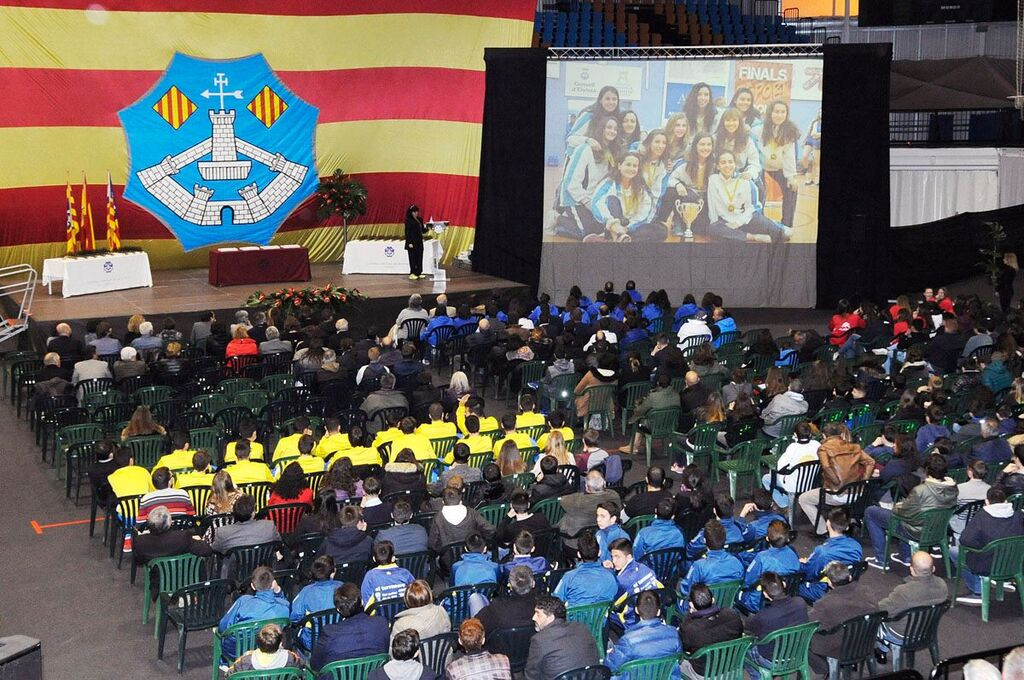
x=744, y=459
x=593, y=616
x=723, y=660
x=789, y=652
x=172, y=573
x=254, y=400
x=148, y=396
x=210, y=403
x=699, y=443
x=632, y=392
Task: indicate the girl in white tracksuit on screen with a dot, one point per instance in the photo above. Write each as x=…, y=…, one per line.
x=734, y=209
x=778, y=141
x=584, y=171
x=623, y=204
x=585, y=126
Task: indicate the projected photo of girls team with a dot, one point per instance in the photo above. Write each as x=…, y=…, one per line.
x=683, y=151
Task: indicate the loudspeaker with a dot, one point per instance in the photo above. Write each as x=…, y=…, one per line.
x=21, y=658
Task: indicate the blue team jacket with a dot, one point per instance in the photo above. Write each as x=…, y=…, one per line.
x=658, y=535
x=538, y=565
x=782, y=561
x=838, y=549
x=605, y=537
x=634, y=578
x=266, y=604
x=716, y=567
x=726, y=325
x=759, y=524
x=385, y=582
x=736, y=531
x=474, y=568
x=588, y=583
x=316, y=597
x=648, y=639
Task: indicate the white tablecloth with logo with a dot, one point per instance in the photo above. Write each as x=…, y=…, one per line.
x=98, y=273
x=388, y=257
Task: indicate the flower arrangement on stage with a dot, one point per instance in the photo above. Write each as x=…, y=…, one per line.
x=300, y=301
x=341, y=195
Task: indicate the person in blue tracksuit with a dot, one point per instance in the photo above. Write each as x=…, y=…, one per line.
x=608, y=530
x=545, y=303
x=624, y=205
x=686, y=310
x=522, y=556
x=590, y=582
x=736, y=529
x=387, y=580
x=650, y=638
x=759, y=513
x=662, y=533
x=476, y=565
x=318, y=596
x=633, y=578
x=717, y=566
x=838, y=548
x=266, y=603
x=587, y=167
x=440, y=319
x=779, y=558
x=723, y=323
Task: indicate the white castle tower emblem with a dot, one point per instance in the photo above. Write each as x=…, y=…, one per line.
x=224, y=149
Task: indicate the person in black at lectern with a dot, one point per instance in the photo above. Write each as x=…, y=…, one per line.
x=414, y=231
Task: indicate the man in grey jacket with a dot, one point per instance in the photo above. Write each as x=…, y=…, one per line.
x=558, y=645
x=919, y=589
x=789, y=403
x=581, y=508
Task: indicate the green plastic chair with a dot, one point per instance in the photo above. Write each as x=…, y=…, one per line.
x=233, y=386
x=631, y=393
x=432, y=468
x=205, y=438
x=148, y=396
x=494, y=513
x=147, y=450
x=272, y=384
x=245, y=640
x=601, y=402
x=831, y=415
x=906, y=426
x=789, y=653
x=353, y=669
x=1007, y=566
x=550, y=508
x=857, y=641
x=443, y=446
x=744, y=459
x=635, y=524
x=1016, y=500
x=97, y=400
x=529, y=372
x=210, y=403
x=921, y=631
x=933, y=525
x=68, y=436
x=561, y=390
x=523, y=480
x=278, y=674
x=661, y=424
x=699, y=443
x=865, y=434
x=534, y=432
x=173, y=573
x=787, y=424
x=723, y=660
x=649, y=669
x=254, y=400
x=529, y=455
x=574, y=445
x=862, y=415
x=479, y=460
x=725, y=592
x=593, y=616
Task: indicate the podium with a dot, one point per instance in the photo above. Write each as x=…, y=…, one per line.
x=388, y=256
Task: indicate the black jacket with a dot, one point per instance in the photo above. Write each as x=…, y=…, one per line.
x=414, y=231
x=838, y=605
x=561, y=647
x=782, y=613
x=990, y=523
x=700, y=629
x=347, y=544
x=552, y=485
x=506, y=612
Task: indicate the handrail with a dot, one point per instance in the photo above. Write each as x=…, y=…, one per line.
x=25, y=287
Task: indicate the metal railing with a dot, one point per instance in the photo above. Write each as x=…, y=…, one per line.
x=972, y=127
x=17, y=290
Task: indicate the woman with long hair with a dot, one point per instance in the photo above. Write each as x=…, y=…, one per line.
x=778, y=139
x=732, y=135
x=134, y=321
x=699, y=108
x=734, y=212
x=343, y=481
x=510, y=461
x=414, y=231
x=680, y=135
x=623, y=204
x=810, y=156
x=631, y=132
x=556, y=449
x=586, y=170
x=141, y=424
x=743, y=101
x=713, y=411
x=313, y=356
x=902, y=302
x=586, y=128
x=291, y=487
x=704, y=362
x=774, y=384
x=223, y=494
x=654, y=163
x=688, y=183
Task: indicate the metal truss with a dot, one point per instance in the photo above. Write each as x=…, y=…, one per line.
x=701, y=52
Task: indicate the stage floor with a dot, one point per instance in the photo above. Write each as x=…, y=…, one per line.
x=188, y=290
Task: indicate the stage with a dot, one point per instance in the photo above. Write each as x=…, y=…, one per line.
x=183, y=294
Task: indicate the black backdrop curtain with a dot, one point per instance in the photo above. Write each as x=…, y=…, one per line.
x=510, y=212
x=853, y=213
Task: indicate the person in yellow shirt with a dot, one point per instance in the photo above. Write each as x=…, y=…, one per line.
x=201, y=474
x=521, y=439
x=246, y=431
x=334, y=439
x=306, y=460
x=289, y=446
x=556, y=421
x=129, y=479
x=476, y=442
x=473, y=406
x=437, y=428
x=387, y=435
x=181, y=457
x=528, y=417
x=246, y=471
x=419, y=444
x=358, y=453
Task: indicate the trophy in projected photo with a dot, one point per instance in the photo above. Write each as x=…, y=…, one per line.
x=689, y=210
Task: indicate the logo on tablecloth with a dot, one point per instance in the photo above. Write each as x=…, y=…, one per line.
x=220, y=150
x=389, y=251
x=108, y=266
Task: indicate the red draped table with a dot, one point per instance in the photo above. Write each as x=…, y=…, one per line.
x=252, y=264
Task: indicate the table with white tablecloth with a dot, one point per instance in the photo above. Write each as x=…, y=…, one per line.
x=389, y=257
x=98, y=273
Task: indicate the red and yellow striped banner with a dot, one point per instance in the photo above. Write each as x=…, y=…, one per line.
x=399, y=87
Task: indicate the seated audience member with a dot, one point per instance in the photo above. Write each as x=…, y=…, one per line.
x=315, y=597
x=403, y=665
x=1012, y=476
x=100, y=470
x=580, y=507
x=838, y=548
x=778, y=611
x=223, y=495
x=437, y=427
x=589, y=582
x=421, y=614
x=779, y=558
x=245, y=530
x=291, y=486
x=349, y=541
x=405, y=535
x=528, y=417
x=994, y=521
x=356, y=635
x=661, y=533
x=644, y=503
x=706, y=624
x=403, y=474
x=920, y=589
x=160, y=540
x=992, y=448
x=375, y=511
x=143, y=424
x=789, y=403
x=409, y=439
x=974, y=489
x=246, y=471
x=508, y=426
x=288, y=447
x=201, y=473
x=128, y=479
x=343, y=481
x=387, y=580
x=844, y=600
x=558, y=645
x=759, y=514
x=842, y=462
x=266, y=602
x=455, y=522
x=633, y=577
x=661, y=397
x=513, y=610
x=476, y=565
x=306, y=460
x=334, y=439
x=519, y=518
x=803, y=449
x=274, y=344
x=177, y=501
x=269, y=654
x=69, y=348
x=522, y=555
x=246, y=431
x=460, y=467
x=385, y=397
x=495, y=490
x=550, y=482
x=650, y=638
x=937, y=491
x=736, y=530
x=717, y=566
x=476, y=663
x=608, y=530
x=556, y=423
x=476, y=442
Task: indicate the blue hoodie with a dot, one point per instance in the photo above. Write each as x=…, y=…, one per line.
x=726, y=325
x=782, y=561
x=836, y=549
x=266, y=604
x=684, y=312
x=716, y=567
x=648, y=639
x=316, y=597
x=474, y=568
x=436, y=322
x=658, y=535
x=588, y=583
